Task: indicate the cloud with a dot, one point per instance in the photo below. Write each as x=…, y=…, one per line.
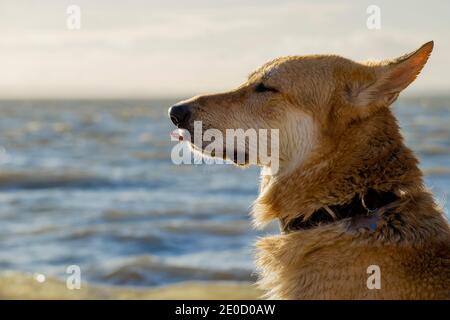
x=156, y=49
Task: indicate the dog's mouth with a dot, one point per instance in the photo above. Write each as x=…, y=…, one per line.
x=179, y=135
x=239, y=157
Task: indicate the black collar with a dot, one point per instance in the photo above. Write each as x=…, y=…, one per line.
x=362, y=210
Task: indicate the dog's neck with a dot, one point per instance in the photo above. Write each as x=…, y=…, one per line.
x=363, y=212
x=343, y=165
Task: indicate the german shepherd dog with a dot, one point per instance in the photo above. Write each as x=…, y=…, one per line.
x=356, y=220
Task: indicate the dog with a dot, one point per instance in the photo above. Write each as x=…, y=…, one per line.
x=356, y=221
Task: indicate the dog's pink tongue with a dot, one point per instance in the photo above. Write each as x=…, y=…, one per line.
x=176, y=135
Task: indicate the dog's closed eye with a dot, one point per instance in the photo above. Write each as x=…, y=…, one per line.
x=260, y=87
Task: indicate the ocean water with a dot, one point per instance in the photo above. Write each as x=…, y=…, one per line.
x=91, y=183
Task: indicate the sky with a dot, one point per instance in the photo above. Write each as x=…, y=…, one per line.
x=145, y=49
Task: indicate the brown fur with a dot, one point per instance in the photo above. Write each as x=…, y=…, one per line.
x=339, y=138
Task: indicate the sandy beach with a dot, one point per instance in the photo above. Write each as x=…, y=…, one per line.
x=14, y=285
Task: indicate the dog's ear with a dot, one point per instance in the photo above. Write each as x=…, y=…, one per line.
x=392, y=77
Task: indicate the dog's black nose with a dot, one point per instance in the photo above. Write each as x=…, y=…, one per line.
x=180, y=114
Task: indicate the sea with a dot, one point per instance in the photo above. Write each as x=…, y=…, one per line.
x=91, y=183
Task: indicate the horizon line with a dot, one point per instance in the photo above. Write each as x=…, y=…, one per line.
x=415, y=94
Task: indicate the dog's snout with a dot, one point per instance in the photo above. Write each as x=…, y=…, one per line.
x=180, y=114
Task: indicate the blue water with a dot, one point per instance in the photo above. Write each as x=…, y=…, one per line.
x=91, y=183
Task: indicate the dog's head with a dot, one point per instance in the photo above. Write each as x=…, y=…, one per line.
x=303, y=97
